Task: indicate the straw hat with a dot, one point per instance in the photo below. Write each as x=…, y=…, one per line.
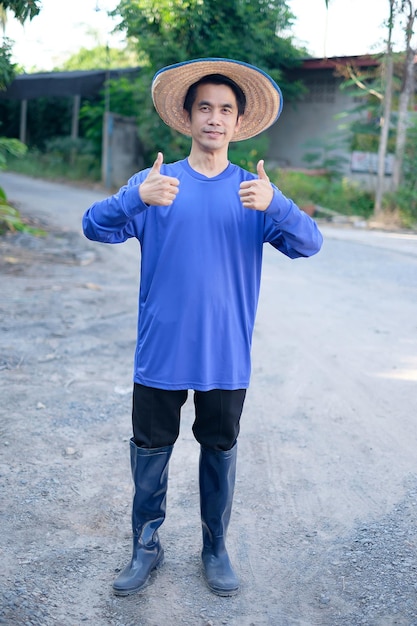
x=263, y=96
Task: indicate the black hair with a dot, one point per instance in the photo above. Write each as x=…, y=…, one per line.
x=215, y=79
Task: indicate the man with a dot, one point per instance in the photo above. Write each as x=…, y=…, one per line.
x=201, y=223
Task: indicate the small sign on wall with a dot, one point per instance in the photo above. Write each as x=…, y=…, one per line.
x=367, y=163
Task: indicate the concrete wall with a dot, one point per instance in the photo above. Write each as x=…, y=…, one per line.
x=310, y=119
x=122, y=154
x=316, y=118
x=313, y=119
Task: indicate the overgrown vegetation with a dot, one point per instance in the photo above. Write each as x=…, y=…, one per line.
x=367, y=89
x=163, y=32
x=160, y=33
x=23, y=10
x=404, y=201
x=167, y=32
x=338, y=194
x=10, y=218
x=62, y=158
x=7, y=68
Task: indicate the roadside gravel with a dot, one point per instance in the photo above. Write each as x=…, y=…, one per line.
x=324, y=526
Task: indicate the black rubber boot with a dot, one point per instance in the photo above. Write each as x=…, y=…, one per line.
x=150, y=477
x=217, y=481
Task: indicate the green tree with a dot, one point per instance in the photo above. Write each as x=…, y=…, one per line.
x=404, y=14
x=404, y=200
x=124, y=97
x=7, y=68
x=23, y=10
x=170, y=31
x=100, y=57
x=9, y=216
x=409, y=10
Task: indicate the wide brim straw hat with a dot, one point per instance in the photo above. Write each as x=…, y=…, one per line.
x=263, y=96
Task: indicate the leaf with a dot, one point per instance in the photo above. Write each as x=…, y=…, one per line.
x=6, y=209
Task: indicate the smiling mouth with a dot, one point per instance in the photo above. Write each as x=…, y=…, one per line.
x=217, y=133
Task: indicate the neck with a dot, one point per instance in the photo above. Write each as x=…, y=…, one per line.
x=208, y=163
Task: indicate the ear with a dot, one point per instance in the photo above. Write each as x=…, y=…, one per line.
x=238, y=123
x=186, y=118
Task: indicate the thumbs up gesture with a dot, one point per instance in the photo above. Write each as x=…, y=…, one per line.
x=257, y=193
x=157, y=189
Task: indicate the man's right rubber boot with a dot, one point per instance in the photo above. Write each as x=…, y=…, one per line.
x=150, y=478
x=217, y=482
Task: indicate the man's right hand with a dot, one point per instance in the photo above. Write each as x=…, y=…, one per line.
x=157, y=189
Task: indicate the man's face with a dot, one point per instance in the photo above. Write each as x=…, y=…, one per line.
x=214, y=117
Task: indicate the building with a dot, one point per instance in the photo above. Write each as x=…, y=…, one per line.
x=313, y=119
x=308, y=122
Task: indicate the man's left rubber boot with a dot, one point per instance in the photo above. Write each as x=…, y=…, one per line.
x=217, y=483
x=150, y=478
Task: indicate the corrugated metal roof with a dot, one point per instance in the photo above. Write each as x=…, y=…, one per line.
x=83, y=83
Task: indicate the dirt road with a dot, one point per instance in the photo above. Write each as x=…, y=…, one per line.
x=324, y=526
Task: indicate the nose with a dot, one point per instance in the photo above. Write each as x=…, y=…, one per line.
x=214, y=117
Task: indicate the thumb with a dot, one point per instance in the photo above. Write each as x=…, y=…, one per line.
x=261, y=170
x=156, y=167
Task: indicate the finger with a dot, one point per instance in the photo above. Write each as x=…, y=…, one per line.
x=245, y=193
x=156, y=167
x=261, y=170
x=173, y=182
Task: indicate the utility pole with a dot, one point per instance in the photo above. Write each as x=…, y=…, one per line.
x=386, y=115
x=106, y=160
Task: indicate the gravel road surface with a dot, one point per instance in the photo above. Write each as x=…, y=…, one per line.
x=324, y=525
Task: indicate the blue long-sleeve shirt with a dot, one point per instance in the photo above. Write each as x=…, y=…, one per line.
x=201, y=262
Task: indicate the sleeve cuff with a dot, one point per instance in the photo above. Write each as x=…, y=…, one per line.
x=132, y=202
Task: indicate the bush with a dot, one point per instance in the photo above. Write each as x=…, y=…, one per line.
x=10, y=219
x=10, y=148
x=64, y=158
x=404, y=201
x=247, y=153
x=340, y=195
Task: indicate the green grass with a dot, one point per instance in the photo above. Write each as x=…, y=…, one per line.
x=83, y=168
x=340, y=195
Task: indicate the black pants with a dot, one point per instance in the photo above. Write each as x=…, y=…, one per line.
x=156, y=416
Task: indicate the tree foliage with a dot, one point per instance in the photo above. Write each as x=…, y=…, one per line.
x=7, y=68
x=405, y=198
x=99, y=57
x=171, y=31
x=23, y=9
x=9, y=216
x=365, y=86
x=409, y=10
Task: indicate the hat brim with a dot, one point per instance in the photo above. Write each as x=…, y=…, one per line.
x=263, y=96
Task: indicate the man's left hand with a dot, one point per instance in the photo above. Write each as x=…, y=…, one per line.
x=257, y=193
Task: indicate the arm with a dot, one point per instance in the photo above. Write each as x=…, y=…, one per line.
x=111, y=220
x=287, y=228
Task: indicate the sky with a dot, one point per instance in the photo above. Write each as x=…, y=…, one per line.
x=350, y=27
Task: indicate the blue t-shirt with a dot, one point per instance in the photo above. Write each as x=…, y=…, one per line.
x=200, y=272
